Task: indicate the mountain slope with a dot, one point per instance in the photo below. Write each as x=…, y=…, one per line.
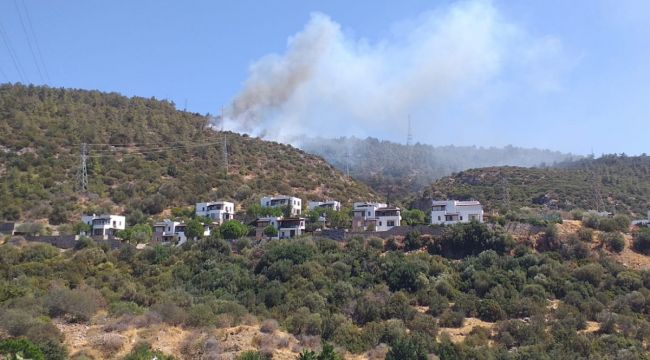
x=392, y=167
x=144, y=155
x=613, y=183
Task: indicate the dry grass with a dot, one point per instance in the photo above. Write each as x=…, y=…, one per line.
x=457, y=335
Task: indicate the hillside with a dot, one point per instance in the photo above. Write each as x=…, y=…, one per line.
x=613, y=183
x=144, y=155
x=397, y=168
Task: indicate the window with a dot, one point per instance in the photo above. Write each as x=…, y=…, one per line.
x=380, y=223
x=461, y=217
x=390, y=223
x=439, y=218
x=368, y=213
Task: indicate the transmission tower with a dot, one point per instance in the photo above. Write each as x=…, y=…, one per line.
x=409, y=135
x=82, y=176
x=347, y=162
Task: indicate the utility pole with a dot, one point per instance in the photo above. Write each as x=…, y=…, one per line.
x=505, y=193
x=409, y=135
x=82, y=176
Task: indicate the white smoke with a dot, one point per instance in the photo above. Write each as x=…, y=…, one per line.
x=329, y=83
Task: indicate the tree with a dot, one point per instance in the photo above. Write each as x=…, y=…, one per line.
x=328, y=353
x=233, y=229
x=270, y=231
x=642, y=241
x=414, y=217
x=407, y=349
x=82, y=227
x=140, y=233
x=194, y=229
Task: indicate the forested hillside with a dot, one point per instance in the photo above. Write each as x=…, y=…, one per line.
x=144, y=156
x=397, y=168
x=615, y=183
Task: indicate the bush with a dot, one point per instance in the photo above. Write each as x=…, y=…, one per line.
x=143, y=351
x=490, y=310
x=110, y=343
x=585, y=234
x=20, y=349
x=452, y=319
x=613, y=241
x=77, y=305
x=642, y=241
x=407, y=349
x=269, y=326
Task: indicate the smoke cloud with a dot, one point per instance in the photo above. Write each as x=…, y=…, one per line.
x=330, y=83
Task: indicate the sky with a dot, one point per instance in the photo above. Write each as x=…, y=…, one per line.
x=572, y=76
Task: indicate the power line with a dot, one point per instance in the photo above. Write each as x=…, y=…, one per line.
x=82, y=175
x=38, y=48
x=12, y=54
x=29, y=42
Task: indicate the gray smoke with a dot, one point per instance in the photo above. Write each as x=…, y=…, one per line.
x=329, y=83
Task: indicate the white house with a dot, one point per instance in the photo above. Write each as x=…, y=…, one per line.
x=218, y=211
x=387, y=218
x=104, y=225
x=291, y=227
x=168, y=231
x=327, y=204
x=364, y=215
x=282, y=201
x=450, y=212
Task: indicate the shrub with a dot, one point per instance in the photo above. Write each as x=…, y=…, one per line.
x=78, y=305
x=407, y=349
x=490, y=310
x=143, y=351
x=250, y=355
x=585, y=234
x=20, y=349
x=642, y=241
x=110, y=343
x=201, y=315
x=451, y=319
x=269, y=326
x=613, y=241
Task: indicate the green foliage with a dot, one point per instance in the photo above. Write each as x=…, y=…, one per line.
x=613, y=241
x=642, y=241
x=462, y=240
x=250, y=355
x=18, y=349
x=407, y=349
x=270, y=231
x=414, y=217
x=136, y=234
x=82, y=227
x=233, y=229
x=79, y=304
x=328, y=353
x=47, y=125
x=143, y=351
x=194, y=229
x=623, y=178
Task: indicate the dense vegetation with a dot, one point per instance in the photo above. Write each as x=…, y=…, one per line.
x=614, y=183
x=356, y=295
x=159, y=158
x=399, y=169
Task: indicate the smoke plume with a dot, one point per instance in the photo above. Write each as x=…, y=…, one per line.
x=330, y=83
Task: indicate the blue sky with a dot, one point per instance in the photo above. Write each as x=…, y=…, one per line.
x=565, y=75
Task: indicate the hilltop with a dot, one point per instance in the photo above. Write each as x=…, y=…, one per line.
x=615, y=183
x=395, y=168
x=144, y=156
